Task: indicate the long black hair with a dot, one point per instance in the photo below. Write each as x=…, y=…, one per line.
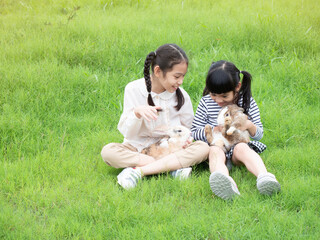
x=224, y=77
x=166, y=56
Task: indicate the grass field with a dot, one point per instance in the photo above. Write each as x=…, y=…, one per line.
x=63, y=69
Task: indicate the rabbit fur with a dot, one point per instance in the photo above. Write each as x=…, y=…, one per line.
x=174, y=140
x=230, y=118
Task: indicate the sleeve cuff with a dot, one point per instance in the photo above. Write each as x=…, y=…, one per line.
x=259, y=134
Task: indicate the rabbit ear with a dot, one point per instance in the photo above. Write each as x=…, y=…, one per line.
x=235, y=108
x=221, y=115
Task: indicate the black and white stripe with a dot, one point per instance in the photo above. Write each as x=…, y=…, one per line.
x=207, y=113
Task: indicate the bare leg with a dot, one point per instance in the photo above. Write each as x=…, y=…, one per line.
x=217, y=160
x=167, y=163
x=221, y=184
x=243, y=154
x=267, y=184
x=194, y=153
x=145, y=160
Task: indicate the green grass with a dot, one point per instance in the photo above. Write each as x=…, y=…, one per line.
x=63, y=69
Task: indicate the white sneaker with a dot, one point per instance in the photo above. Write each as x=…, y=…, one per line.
x=223, y=186
x=267, y=184
x=129, y=177
x=182, y=173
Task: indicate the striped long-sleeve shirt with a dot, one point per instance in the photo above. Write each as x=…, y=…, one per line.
x=207, y=113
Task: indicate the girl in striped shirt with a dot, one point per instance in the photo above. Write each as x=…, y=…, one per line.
x=223, y=87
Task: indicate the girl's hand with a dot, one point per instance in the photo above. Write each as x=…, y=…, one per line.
x=250, y=127
x=147, y=112
x=248, y=124
x=190, y=139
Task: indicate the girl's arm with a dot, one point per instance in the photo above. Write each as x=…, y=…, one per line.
x=252, y=129
x=129, y=124
x=199, y=122
x=255, y=126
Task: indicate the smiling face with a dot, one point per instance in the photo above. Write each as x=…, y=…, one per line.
x=169, y=81
x=223, y=99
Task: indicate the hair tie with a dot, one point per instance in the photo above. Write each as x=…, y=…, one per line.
x=240, y=72
x=155, y=53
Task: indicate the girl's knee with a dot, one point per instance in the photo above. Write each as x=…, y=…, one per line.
x=203, y=147
x=217, y=154
x=216, y=150
x=107, y=152
x=198, y=148
x=194, y=153
x=240, y=149
x=118, y=155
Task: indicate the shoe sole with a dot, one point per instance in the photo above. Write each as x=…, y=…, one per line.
x=125, y=186
x=123, y=180
x=186, y=174
x=221, y=186
x=268, y=187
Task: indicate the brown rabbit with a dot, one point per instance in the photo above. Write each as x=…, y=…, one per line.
x=175, y=139
x=230, y=118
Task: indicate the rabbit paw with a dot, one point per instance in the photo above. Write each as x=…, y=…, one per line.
x=208, y=133
x=231, y=130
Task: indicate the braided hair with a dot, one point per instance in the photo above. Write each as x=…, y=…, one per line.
x=166, y=56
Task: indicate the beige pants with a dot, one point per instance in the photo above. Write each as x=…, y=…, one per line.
x=120, y=155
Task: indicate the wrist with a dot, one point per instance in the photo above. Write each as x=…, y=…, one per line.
x=251, y=125
x=252, y=128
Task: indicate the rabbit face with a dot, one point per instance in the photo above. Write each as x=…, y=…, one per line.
x=228, y=114
x=175, y=138
x=223, y=116
x=179, y=132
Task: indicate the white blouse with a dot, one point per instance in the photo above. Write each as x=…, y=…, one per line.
x=139, y=132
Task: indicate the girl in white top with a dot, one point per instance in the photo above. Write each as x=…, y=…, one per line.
x=151, y=103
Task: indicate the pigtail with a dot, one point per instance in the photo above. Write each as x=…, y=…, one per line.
x=245, y=91
x=149, y=59
x=180, y=99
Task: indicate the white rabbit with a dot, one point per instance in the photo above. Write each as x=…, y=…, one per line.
x=228, y=134
x=174, y=140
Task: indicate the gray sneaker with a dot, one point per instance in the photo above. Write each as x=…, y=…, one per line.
x=182, y=173
x=129, y=177
x=223, y=186
x=267, y=184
